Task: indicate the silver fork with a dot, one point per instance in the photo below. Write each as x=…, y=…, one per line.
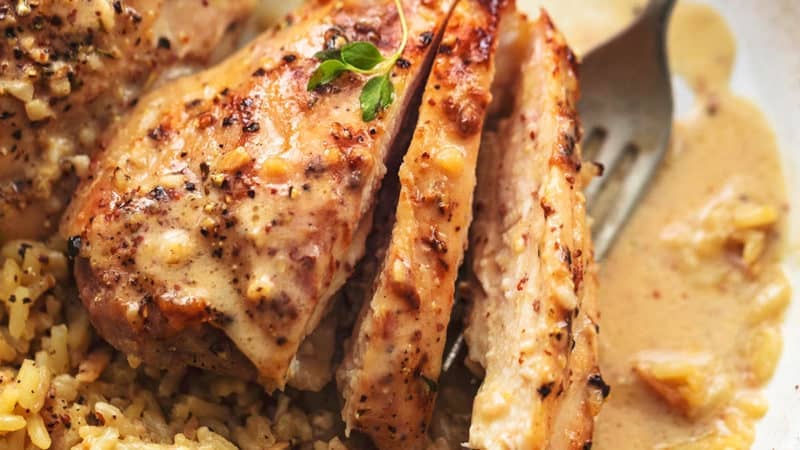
x=626, y=109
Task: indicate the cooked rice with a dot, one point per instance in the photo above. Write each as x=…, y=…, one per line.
x=62, y=387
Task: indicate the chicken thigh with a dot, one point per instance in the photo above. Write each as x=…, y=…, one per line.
x=231, y=205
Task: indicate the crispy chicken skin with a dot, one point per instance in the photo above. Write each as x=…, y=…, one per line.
x=532, y=321
x=231, y=205
x=390, y=374
x=70, y=68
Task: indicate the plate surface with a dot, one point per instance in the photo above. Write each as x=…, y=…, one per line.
x=767, y=72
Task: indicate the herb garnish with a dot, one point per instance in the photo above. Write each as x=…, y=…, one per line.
x=363, y=58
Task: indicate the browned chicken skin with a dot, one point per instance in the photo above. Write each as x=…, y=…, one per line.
x=389, y=376
x=231, y=205
x=68, y=69
x=532, y=323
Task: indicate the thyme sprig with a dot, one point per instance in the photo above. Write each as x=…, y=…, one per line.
x=363, y=58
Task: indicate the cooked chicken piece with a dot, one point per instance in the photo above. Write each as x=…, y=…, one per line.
x=311, y=367
x=231, y=205
x=532, y=323
x=68, y=69
x=390, y=374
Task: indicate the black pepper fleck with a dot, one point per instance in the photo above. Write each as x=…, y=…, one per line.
x=425, y=39
x=159, y=193
x=545, y=389
x=597, y=381
x=158, y=133
x=251, y=127
x=73, y=246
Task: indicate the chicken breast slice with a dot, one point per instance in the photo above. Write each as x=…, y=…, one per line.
x=231, y=205
x=390, y=373
x=532, y=321
x=68, y=69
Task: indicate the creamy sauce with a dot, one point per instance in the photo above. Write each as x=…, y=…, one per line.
x=692, y=294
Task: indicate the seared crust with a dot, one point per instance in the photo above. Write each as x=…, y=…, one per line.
x=235, y=200
x=389, y=376
x=68, y=69
x=532, y=322
x=156, y=340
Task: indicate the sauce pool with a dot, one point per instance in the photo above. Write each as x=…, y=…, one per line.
x=692, y=294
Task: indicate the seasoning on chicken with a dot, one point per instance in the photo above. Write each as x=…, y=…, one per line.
x=389, y=377
x=532, y=322
x=231, y=205
x=69, y=69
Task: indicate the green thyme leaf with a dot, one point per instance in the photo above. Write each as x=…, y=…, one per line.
x=325, y=55
x=326, y=72
x=361, y=55
x=377, y=94
x=371, y=99
x=365, y=59
x=387, y=92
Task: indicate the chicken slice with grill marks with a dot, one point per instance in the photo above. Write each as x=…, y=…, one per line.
x=69, y=68
x=532, y=322
x=390, y=374
x=231, y=205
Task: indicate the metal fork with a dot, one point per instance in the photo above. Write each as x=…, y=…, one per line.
x=626, y=109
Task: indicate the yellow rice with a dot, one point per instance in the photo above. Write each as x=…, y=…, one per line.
x=61, y=387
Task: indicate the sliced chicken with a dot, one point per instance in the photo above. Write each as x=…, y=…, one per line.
x=532, y=322
x=230, y=206
x=390, y=374
x=68, y=69
x=311, y=367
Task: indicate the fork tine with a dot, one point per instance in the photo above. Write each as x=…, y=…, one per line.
x=452, y=354
x=631, y=190
x=602, y=101
x=611, y=153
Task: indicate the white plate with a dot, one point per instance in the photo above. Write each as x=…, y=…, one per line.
x=767, y=72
